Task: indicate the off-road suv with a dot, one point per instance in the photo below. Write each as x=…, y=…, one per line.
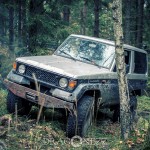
x=80, y=76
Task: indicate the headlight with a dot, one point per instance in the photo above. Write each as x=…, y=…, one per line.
x=63, y=82
x=21, y=69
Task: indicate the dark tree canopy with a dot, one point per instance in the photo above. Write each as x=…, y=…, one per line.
x=36, y=24
x=39, y=26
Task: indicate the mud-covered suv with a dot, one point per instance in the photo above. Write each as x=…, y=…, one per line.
x=80, y=77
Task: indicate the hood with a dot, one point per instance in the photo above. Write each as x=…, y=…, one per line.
x=64, y=66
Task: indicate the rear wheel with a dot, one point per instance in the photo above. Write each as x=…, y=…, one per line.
x=116, y=114
x=23, y=106
x=78, y=123
x=133, y=107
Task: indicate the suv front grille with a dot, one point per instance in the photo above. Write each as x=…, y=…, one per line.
x=41, y=75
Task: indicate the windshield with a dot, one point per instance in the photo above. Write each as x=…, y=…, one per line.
x=86, y=50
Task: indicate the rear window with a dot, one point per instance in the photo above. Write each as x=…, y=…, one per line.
x=140, y=62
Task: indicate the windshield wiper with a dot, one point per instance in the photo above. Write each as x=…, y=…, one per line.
x=93, y=62
x=68, y=55
x=107, y=59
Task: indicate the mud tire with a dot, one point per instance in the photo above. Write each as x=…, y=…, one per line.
x=23, y=106
x=79, y=124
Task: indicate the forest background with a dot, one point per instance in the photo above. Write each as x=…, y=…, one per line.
x=38, y=27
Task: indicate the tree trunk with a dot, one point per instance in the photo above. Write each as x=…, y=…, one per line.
x=32, y=26
x=83, y=18
x=19, y=23
x=133, y=26
x=24, y=26
x=2, y=26
x=66, y=14
x=11, y=26
x=125, y=117
x=127, y=20
x=66, y=11
x=35, y=11
x=146, y=36
x=97, y=6
x=140, y=13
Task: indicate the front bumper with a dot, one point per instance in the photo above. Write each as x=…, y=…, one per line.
x=37, y=97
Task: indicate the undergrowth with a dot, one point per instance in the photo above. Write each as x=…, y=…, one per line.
x=49, y=133
x=3, y=94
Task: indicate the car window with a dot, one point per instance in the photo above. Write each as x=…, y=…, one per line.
x=127, y=55
x=127, y=60
x=140, y=62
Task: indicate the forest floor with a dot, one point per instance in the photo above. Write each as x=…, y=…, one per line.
x=23, y=133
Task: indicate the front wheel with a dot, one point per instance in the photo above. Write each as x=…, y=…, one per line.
x=80, y=120
x=23, y=106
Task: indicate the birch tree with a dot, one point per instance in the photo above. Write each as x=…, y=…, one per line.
x=125, y=118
